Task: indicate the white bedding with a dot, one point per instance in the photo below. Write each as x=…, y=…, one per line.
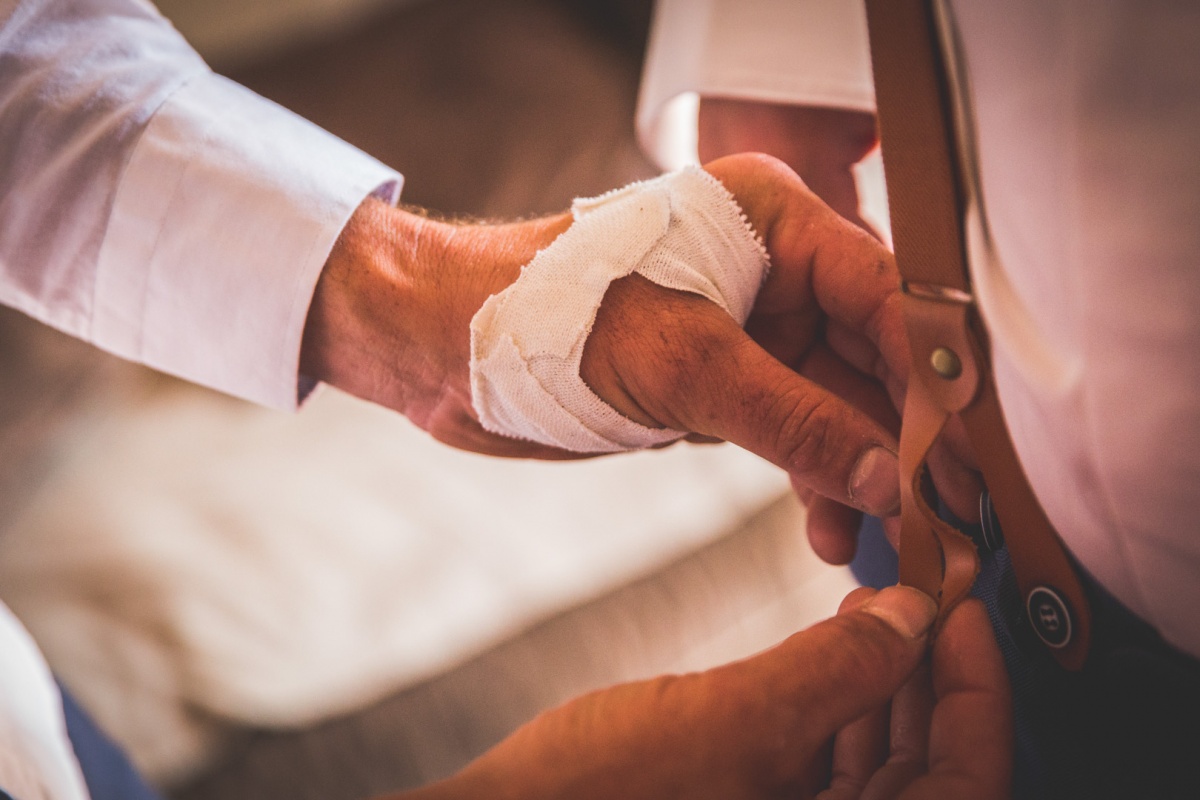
x=196, y=562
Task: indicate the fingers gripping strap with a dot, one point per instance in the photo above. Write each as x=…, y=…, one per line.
x=683, y=231
x=934, y=557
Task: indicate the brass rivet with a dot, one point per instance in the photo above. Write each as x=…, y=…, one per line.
x=945, y=363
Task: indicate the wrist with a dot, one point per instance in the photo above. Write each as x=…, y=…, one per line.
x=366, y=279
x=390, y=318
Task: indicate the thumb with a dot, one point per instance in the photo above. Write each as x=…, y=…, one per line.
x=822, y=440
x=820, y=680
x=860, y=658
x=837, y=671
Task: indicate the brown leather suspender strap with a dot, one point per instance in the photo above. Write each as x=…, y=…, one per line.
x=951, y=370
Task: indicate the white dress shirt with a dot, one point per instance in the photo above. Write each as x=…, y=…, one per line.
x=156, y=209
x=1083, y=241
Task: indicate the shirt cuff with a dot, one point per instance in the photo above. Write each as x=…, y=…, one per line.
x=223, y=219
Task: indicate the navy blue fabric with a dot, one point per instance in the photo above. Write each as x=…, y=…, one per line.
x=875, y=563
x=106, y=770
x=1126, y=726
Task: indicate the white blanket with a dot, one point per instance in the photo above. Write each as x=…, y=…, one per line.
x=196, y=562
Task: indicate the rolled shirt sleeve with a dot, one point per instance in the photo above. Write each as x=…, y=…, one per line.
x=158, y=210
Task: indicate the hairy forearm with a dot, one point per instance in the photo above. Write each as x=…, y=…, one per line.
x=372, y=273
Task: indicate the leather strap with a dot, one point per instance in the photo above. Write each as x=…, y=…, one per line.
x=951, y=371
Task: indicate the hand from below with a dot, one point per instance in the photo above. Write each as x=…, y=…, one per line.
x=808, y=718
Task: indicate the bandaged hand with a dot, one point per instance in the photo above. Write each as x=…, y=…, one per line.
x=802, y=385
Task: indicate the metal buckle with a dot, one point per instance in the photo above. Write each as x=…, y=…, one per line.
x=936, y=293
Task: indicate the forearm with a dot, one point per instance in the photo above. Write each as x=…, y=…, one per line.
x=390, y=318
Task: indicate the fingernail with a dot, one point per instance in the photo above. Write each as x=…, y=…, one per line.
x=910, y=611
x=875, y=482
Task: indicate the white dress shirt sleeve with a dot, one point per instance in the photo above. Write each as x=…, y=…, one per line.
x=156, y=209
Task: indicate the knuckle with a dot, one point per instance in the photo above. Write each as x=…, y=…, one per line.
x=804, y=432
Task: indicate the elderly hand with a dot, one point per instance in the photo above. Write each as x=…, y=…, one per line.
x=823, y=145
x=808, y=718
x=800, y=386
x=947, y=732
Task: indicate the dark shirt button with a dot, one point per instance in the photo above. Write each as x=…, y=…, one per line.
x=1050, y=616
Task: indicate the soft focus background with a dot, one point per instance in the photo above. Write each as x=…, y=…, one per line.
x=329, y=604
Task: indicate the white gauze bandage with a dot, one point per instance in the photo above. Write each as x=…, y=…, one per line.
x=683, y=231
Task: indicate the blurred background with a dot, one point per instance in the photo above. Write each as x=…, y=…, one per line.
x=329, y=604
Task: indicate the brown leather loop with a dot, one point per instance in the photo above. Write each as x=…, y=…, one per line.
x=934, y=557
